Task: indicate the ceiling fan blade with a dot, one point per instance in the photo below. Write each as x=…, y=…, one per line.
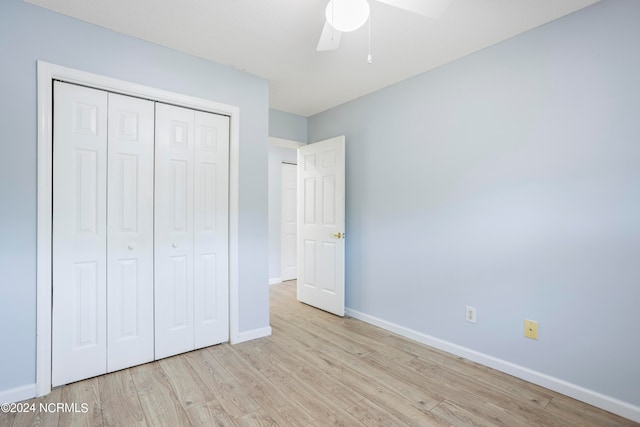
x=329, y=39
x=428, y=8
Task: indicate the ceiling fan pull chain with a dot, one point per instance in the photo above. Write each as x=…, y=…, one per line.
x=369, y=59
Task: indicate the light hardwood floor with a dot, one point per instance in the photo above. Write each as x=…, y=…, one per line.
x=315, y=370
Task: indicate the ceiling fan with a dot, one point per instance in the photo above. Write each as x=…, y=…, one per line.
x=348, y=15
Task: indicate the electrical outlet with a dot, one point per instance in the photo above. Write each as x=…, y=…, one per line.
x=470, y=315
x=531, y=329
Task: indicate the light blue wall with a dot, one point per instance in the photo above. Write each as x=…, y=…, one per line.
x=29, y=33
x=287, y=126
x=508, y=180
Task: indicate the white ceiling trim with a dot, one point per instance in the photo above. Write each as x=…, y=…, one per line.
x=285, y=143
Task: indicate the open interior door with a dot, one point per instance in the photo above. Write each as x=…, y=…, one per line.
x=321, y=224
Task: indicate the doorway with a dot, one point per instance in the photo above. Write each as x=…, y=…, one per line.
x=281, y=152
x=289, y=222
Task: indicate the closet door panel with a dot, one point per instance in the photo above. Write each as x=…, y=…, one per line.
x=130, y=232
x=79, y=233
x=174, y=330
x=211, y=207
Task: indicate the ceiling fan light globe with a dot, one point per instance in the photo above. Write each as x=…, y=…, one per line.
x=347, y=15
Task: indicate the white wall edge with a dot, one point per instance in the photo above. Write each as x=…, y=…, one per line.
x=275, y=280
x=286, y=143
x=590, y=397
x=17, y=394
x=46, y=73
x=252, y=335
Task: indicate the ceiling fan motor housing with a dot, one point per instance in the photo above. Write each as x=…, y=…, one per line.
x=347, y=15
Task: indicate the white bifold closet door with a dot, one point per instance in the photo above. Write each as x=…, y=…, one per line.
x=140, y=231
x=191, y=223
x=102, y=260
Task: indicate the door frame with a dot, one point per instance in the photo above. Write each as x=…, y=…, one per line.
x=47, y=73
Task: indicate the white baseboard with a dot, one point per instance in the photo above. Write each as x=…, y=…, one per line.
x=275, y=280
x=17, y=394
x=252, y=335
x=591, y=397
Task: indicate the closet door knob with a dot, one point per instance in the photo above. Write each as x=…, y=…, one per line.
x=174, y=245
x=131, y=246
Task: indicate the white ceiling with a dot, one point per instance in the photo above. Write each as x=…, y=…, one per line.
x=276, y=39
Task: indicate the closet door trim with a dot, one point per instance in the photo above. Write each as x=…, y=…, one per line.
x=47, y=73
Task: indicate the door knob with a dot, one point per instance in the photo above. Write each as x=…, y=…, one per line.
x=174, y=245
x=338, y=235
x=131, y=246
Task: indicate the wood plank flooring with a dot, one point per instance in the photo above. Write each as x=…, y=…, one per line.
x=315, y=370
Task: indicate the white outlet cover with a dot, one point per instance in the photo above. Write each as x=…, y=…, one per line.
x=470, y=314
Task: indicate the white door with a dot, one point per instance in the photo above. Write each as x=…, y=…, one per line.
x=79, y=342
x=129, y=232
x=321, y=224
x=174, y=231
x=191, y=230
x=211, y=229
x=289, y=222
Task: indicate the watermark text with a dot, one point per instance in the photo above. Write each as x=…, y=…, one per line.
x=46, y=407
